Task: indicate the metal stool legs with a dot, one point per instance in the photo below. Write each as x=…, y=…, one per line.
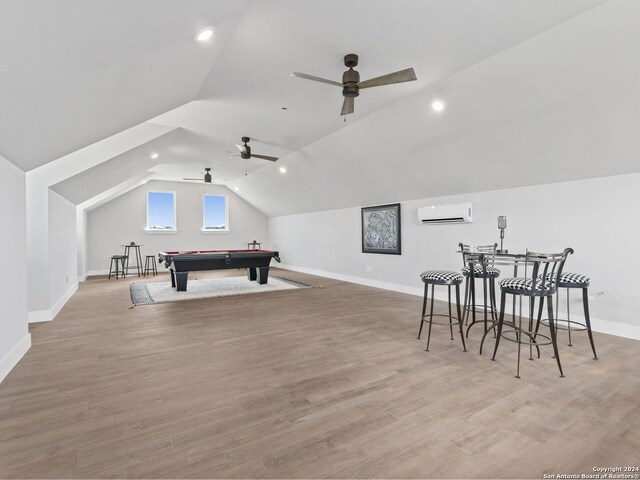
x=429, y=318
x=150, y=266
x=470, y=303
x=587, y=319
x=119, y=262
x=530, y=334
x=585, y=303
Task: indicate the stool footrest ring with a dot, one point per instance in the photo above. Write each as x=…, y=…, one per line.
x=425, y=319
x=564, y=324
x=533, y=337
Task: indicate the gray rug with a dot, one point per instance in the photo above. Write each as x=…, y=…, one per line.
x=152, y=293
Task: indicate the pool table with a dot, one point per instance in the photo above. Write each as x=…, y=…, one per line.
x=181, y=263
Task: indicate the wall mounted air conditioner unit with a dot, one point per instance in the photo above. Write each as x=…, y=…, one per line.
x=450, y=213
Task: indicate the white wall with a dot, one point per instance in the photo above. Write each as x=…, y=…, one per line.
x=81, y=242
x=596, y=217
x=63, y=256
x=123, y=220
x=51, y=250
x=15, y=339
x=37, y=244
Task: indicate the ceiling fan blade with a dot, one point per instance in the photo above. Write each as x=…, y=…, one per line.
x=264, y=157
x=407, y=75
x=241, y=148
x=317, y=79
x=194, y=179
x=347, y=106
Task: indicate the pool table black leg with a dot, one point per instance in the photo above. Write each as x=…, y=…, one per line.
x=263, y=275
x=181, y=281
x=251, y=273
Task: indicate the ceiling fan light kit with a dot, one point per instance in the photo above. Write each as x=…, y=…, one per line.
x=351, y=83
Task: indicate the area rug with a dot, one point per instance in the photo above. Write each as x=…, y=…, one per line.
x=152, y=293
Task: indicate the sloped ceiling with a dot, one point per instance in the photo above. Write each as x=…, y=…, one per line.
x=76, y=71
x=536, y=92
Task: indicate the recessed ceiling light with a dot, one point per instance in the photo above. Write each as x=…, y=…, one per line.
x=283, y=170
x=154, y=155
x=204, y=34
x=437, y=105
x=236, y=189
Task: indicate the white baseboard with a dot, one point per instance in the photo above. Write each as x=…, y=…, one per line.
x=598, y=325
x=82, y=278
x=612, y=328
x=95, y=273
x=14, y=355
x=37, y=316
x=359, y=280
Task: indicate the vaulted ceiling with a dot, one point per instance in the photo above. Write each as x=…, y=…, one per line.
x=536, y=92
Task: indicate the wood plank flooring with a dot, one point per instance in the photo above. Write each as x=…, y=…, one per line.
x=322, y=382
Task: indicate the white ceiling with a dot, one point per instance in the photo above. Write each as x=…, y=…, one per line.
x=536, y=92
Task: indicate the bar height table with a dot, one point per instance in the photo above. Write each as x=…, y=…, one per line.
x=138, y=255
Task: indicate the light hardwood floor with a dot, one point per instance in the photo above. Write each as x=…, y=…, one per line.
x=322, y=382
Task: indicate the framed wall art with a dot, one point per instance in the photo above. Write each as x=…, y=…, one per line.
x=381, y=229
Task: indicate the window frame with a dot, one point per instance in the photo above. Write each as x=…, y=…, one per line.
x=175, y=215
x=226, y=230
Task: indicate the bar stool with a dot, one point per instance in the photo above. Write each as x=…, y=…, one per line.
x=150, y=265
x=449, y=279
x=542, y=274
x=478, y=263
x=571, y=281
x=254, y=245
x=119, y=261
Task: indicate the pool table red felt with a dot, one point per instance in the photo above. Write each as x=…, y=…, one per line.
x=182, y=262
x=214, y=252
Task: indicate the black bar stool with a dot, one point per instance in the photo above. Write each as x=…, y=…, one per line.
x=150, y=265
x=118, y=261
x=540, y=281
x=449, y=279
x=254, y=245
x=571, y=281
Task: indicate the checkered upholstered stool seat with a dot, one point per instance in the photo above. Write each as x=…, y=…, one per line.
x=448, y=279
x=478, y=272
x=516, y=284
x=570, y=281
x=573, y=280
x=441, y=277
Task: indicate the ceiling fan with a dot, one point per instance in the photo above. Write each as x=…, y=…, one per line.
x=351, y=83
x=207, y=176
x=245, y=151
